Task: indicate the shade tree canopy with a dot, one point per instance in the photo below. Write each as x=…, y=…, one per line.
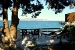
x=28, y=7
x=59, y=5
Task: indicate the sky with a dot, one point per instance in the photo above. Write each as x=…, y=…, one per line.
x=45, y=14
x=50, y=14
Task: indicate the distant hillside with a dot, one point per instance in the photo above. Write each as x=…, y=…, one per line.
x=33, y=19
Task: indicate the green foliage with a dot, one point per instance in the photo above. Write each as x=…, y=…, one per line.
x=68, y=28
x=34, y=41
x=26, y=5
x=69, y=32
x=59, y=5
x=36, y=47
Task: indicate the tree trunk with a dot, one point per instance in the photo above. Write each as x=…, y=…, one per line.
x=14, y=23
x=10, y=35
x=5, y=26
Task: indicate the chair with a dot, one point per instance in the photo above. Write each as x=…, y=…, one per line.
x=24, y=33
x=36, y=32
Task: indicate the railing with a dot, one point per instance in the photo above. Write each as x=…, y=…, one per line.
x=36, y=32
x=50, y=29
x=42, y=29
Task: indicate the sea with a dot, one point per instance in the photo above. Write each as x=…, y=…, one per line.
x=36, y=24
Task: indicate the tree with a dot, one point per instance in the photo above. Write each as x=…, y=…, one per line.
x=59, y=5
x=4, y=5
x=10, y=34
x=69, y=32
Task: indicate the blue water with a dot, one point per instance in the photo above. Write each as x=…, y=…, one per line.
x=36, y=24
